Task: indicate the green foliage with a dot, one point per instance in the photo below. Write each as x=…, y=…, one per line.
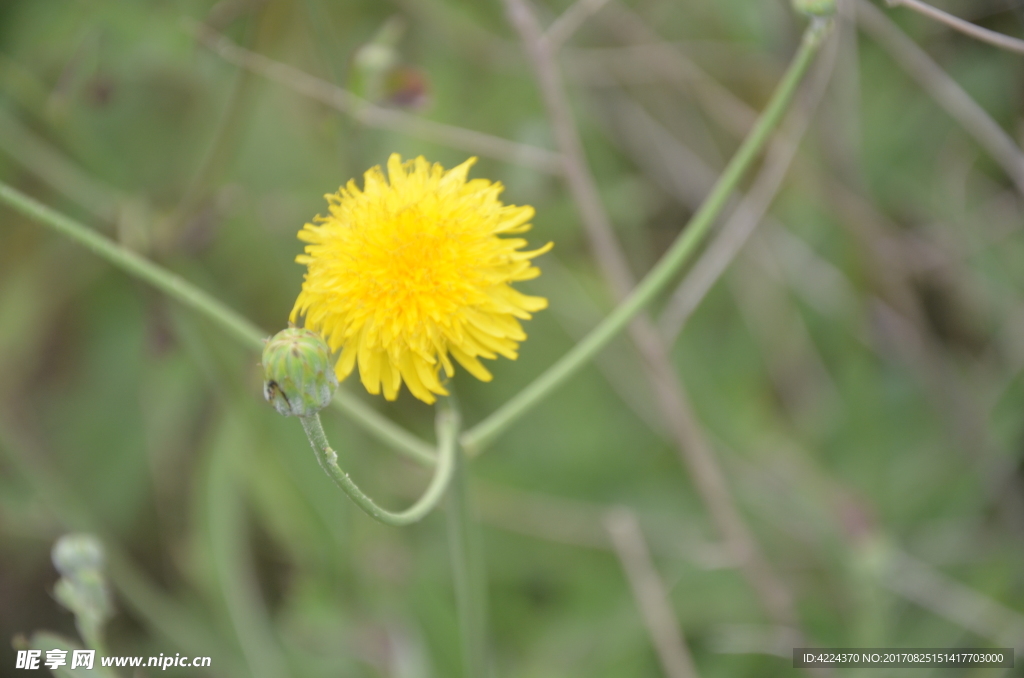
x=857, y=370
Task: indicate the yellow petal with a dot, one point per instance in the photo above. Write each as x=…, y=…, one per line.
x=391, y=378
x=369, y=366
x=346, y=362
x=471, y=364
x=412, y=380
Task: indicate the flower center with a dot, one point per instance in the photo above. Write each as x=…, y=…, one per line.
x=411, y=266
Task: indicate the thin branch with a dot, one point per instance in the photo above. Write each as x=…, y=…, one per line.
x=673, y=402
x=194, y=298
x=750, y=212
x=577, y=173
x=57, y=170
x=966, y=27
x=719, y=103
x=665, y=160
x=634, y=301
x=562, y=28
x=737, y=116
x=577, y=523
x=677, y=169
x=946, y=92
x=452, y=25
x=372, y=115
x=800, y=375
x=902, y=322
x=847, y=93
x=650, y=593
x=577, y=311
x=946, y=597
x=799, y=474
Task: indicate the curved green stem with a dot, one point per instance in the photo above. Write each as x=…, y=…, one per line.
x=476, y=438
x=447, y=442
x=191, y=296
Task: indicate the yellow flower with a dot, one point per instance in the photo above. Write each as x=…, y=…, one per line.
x=411, y=269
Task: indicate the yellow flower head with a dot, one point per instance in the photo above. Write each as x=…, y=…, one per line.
x=411, y=269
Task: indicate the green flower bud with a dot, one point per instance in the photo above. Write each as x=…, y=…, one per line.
x=82, y=587
x=823, y=8
x=77, y=553
x=86, y=596
x=299, y=378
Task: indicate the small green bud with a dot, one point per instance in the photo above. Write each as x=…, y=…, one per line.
x=299, y=378
x=86, y=596
x=823, y=8
x=373, y=61
x=82, y=587
x=77, y=553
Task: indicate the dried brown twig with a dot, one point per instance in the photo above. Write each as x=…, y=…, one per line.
x=672, y=399
x=372, y=115
x=749, y=212
x=948, y=598
x=966, y=27
x=685, y=176
x=652, y=53
x=652, y=598
x=946, y=92
x=562, y=28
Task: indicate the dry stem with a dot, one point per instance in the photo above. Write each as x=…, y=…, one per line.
x=966, y=27
x=946, y=92
x=372, y=115
x=649, y=591
x=748, y=214
x=562, y=28
x=671, y=396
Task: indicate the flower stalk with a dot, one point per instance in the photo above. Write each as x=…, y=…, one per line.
x=447, y=443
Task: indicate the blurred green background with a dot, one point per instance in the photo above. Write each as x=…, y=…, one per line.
x=857, y=371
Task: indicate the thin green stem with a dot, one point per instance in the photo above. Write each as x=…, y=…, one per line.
x=468, y=574
x=384, y=430
x=192, y=297
x=136, y=265
x=91, y=634
x=478, y=437
x=447, y=441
